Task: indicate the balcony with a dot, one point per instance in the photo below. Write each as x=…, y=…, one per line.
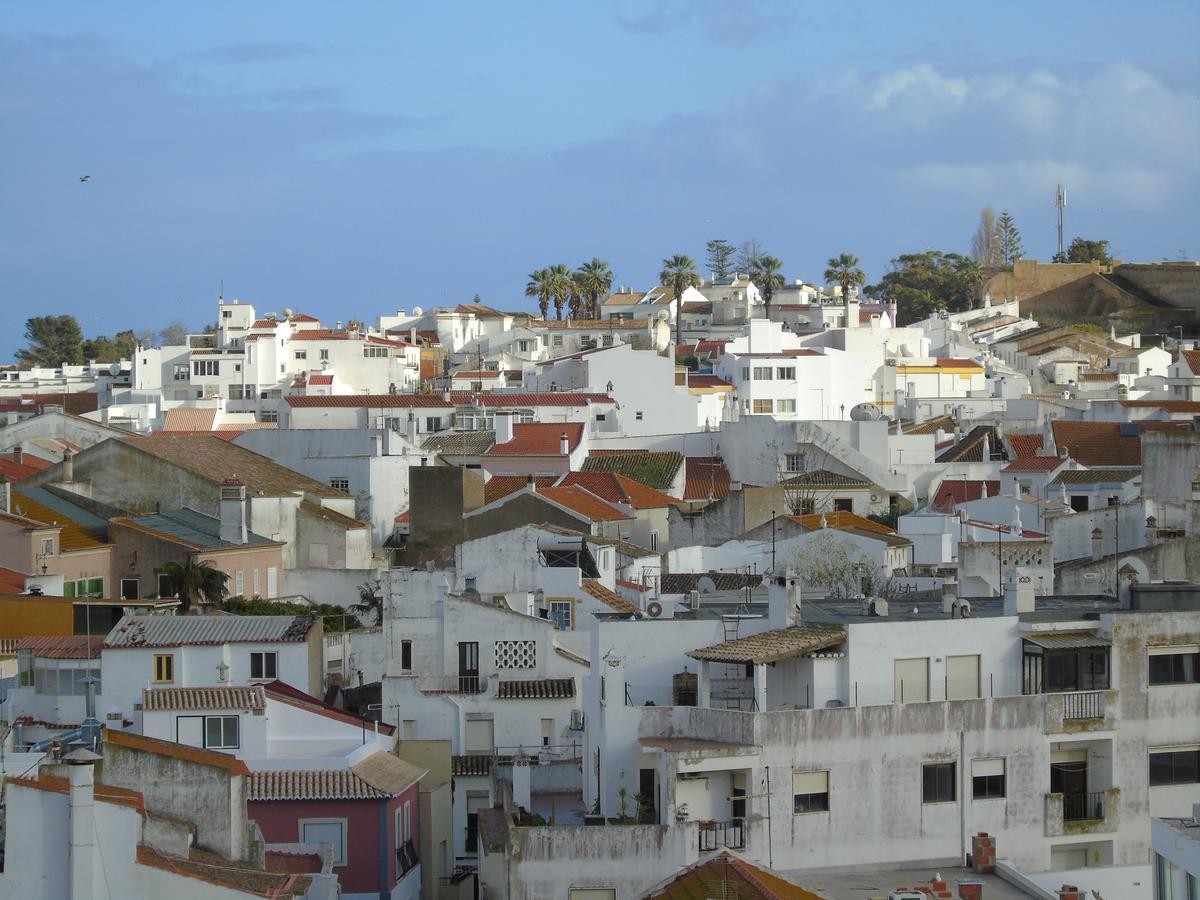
x=1073, y=712
x=729, y=835
x=1094, y=812
x=406, y=858
x=454, y=684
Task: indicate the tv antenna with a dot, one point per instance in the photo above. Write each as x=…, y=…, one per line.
x=1060, y=202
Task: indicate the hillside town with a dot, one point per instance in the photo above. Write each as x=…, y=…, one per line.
x=734, y=586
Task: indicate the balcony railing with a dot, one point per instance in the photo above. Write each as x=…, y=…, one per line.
x=1083, y=705
x=453, y=684
x=1083, y=807
x=714, y=835
x=406, y=858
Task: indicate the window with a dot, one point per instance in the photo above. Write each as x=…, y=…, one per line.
x=764, y=406
x=221, y=732
x=1175, y=665
x=433, y=423
x=84, y=587
x=257, y=584
x=166, y=587
x=562, y=612
x=181, y=372
x=785, y=406
x=406, y=656
x=556, y=341
x=987, y=779
x=326, y=831
x=164, y=668
x=268, y=415
x=745, y=373
x=239, y=583
x=1083, y=670
x=47, y=546
x=1175, y=766
x=938, y=783
x=806, y=507
x=264, y=664
x=301, y=354
x=843, y=504
x=227, y=314
x=607, y=340
x=206, y=367
x=236, y=392
x=786, y=373
x=547, y=731
x=522, y=346
x=1079, y=502
x=795, y=462
x=654, y=540
x=403, y=825
x=371, y=352
x=323, y=354
x=810, y=792
x=763, y=373
x=340, y=483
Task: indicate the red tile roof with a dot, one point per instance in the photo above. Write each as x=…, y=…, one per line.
x=728, y=876
x=585, y=503
x=841, y=519
x=11, y=582
x=106, y=793
x=1191, y=359
x=618, y=489
x=1182, y=406
x=611, y=599
x=457, y=398
x=705, y=478
x=185, y=419
x=18, y=471
x=1099, y=443
x=320, y=379
x=951, y=493
x=65, y=647
x=285, y=693
x=303, y=318
x=1027, y=444
x=328, y=334
x=540, y=439
x=1034, y=464
x=708, y=381
x=502, y=485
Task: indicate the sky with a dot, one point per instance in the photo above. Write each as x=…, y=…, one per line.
x=348, y=160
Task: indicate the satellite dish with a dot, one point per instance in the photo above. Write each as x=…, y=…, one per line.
x=417, y=311
x=706, y=585
x=866, y=412
x=288, y=312
x=114, y=369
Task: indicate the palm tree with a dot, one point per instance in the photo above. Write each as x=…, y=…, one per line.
x=768, y=276
x=196, y=582
x=561, y=286
x=594, y=279
x=370, y=602
x=540, y=286
x=679, y=272
x=843, y=270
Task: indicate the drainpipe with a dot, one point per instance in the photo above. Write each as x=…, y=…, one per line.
x=962, y=798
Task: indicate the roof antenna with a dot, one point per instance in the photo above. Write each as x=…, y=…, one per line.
x=221, y=296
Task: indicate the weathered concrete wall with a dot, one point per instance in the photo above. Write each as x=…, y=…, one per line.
x=1163, y=561
x=438, y=497
x=1030, y=277
x=1178, y=283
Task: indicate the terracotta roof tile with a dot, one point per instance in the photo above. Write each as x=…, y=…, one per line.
x=502, y=485
x=1027, y=444
x=619, y=489
x=105, y=793
x=536, y=689
x=1181, y=406
x=656, y=469
x=160, y=699
x=611, y=599
x=970, y=448
x=471, y=764
x=950, y=493
x=320, y=379
x=336, y=784
x=706, y=478
x=460, y=443
x=774, y=645
x=1192, y=359
x=1034, y=464
x=728, y=876
x=489, y=399
x=1099, y=443
x=183, y=419
x=217, y=870
x=585, y=503
x=65, y=647
x=826, y=478
x=707, y=382
x=29, y=465
x=540, y=439
x=840, y=519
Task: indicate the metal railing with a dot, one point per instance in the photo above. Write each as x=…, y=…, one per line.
x=406, y=858
x=714, y=835
x=1083, y=705
x=453, y=684
x=1081, y=807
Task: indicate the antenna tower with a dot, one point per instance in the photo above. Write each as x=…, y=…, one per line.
x=1060, y=202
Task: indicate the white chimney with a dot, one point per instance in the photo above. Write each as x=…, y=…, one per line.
x=5, y=495
x=68, y=470
x=504, y=427
x=1018, y=592
x=81, y=803
x=412, y=428
x=564, y=446
x=18, y=455
x=521, y=788
x=233, y=511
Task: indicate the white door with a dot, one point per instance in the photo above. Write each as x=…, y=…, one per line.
x=272, y=583
x=962, y=677
x=912, y=680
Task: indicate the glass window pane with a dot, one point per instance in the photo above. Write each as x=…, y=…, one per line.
x=1160, y=768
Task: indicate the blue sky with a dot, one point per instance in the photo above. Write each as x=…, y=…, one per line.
x=353, y=158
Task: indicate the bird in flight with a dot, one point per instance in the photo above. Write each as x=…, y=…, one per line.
x=85, y=177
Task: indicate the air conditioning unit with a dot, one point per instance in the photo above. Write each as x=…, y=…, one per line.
x=577, y=720
x=693, y=599
x=656, y=609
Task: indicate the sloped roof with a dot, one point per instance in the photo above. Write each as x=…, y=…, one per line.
x=156, y=699
x=728, y=876
x=183, y=419
x=536, y=689
x=1034, y=464
x=708, y=382
x=927, y=426
x=216, y=460
x=1095, y=476
x=1026, y=444
x=502, y=485
x=217, y=870
x=310, y=784
x=65, y=647
x=706, y=478
x=471, y=764
x=1099, y=443
x=656, y=469
x=950, y=493
x=970, y=448
x=611, y=599
x=175, y=631
x=540, y=439
x=774, y=645
x=192, y=529
x=584, y=502
x=490, y=399
x=840, y=519
x=460, y=443
x=73, y=535
x=826, y=478
x=1191, y=359
x=618, y=489
x=17, y=471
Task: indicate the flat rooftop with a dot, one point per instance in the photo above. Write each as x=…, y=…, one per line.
x=874, y=884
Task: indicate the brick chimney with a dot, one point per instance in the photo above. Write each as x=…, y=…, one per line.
x=233, y=511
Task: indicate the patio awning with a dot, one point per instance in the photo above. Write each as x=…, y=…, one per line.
x=1066, y=640
x=771, y=646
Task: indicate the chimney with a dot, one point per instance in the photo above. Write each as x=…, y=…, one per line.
x=233, y=511
x=1097, y=544
x=18, y=455
x=412, y=428
x=1018, y=592
x=81, y=803
x=1151, y=531
x=5, y=494
x=504, y=427
x=564, y=446
x=520, y=783
x=68, y=469
x=412, y=335
x=531, y=483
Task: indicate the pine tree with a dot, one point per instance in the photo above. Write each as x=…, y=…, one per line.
x=1008, y=238
x=720, y=257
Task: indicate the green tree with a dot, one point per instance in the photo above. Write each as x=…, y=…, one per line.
x=370, y=601
x=196, y=582
x=920, y=284
x=719, y=259
x=336, y=618
x=844, y=271
x=562, y=286
x=103, y=349
x=1008, y=239
x=541, y=286
x=679, y=271
x=594, y=279
x=768, y=276
x=1085, y=251
x=53, y=341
